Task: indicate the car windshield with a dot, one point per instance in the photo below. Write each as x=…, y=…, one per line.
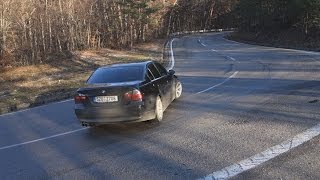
x=116, y=75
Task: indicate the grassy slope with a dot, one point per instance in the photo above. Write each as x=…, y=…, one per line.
x=29, y=86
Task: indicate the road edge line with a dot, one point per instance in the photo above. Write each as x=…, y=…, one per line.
x=28, y=109
x=226, y=80
x=172, y=61
x=41, y=139
x=282, y=48
x=260, y=158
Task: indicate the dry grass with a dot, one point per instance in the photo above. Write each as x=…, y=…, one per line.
x=22, y=87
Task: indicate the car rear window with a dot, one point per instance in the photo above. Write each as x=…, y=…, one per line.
x=116, y=75
x=161, y=69
x=154, y=71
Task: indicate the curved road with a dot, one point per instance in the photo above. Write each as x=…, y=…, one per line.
x=239, y=101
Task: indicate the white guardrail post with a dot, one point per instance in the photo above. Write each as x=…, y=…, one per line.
x=200, y=31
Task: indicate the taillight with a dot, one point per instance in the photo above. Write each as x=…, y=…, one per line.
x=134, y=95
x=80, y=98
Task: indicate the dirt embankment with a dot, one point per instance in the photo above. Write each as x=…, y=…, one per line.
x=292, y=38
x=30, y=86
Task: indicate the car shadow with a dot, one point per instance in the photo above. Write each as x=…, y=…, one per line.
x=122, y=129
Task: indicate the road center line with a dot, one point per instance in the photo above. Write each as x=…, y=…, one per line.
x=231, y=58
x=171, y=66
x=41, y=139
x=260, y=158
x=214, y=50
x=226, y=80
x=314, y=53
x=199, y=40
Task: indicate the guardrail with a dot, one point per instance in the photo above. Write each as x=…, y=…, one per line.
x=201, y=31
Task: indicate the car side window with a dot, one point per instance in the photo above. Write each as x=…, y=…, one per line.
x=154, y=71
x=161, y=69
x=149, y=76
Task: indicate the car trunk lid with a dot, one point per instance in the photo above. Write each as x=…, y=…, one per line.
x=110, y=94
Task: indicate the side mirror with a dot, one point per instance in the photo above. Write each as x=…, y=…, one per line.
x=171, y=72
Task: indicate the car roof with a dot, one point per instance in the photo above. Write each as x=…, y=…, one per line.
x=138, y=64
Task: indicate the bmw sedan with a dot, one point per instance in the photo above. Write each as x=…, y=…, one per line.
x=130, y=92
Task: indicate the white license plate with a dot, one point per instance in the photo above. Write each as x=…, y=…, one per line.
x=105, y=99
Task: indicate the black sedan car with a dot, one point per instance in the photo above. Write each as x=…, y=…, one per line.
x=126, y=93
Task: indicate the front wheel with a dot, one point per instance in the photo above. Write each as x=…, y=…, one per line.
x=158, y=110
x=178, y=90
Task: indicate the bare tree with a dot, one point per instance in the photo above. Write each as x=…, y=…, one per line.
x=34, y=31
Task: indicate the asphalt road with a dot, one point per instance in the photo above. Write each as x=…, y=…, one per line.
x=238, y=101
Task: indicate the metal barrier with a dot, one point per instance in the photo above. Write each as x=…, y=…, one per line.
x=200, y=31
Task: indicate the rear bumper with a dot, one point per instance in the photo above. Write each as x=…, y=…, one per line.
x=102, y=121
x=99, y=115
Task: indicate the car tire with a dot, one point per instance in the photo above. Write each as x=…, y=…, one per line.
x=178, y=91
x=158, y=110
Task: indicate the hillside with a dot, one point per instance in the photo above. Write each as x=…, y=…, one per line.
x=289, y=38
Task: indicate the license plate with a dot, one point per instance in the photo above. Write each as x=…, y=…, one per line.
x=105, y=99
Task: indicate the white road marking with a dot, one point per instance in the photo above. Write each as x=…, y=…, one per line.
x=199, y=40
x=286, y=49
x=233, y=75
x=303, y=51
x=264, y=156
x=7, y=114
x=227, y=57
x=226, y=80
x=226, y=172
x=214, y=50
x=231, y=58
x=41, y=139
x=171, y=64
x=234, y=42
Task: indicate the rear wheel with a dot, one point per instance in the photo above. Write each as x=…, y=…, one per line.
x=158, y=110
x=178, y=90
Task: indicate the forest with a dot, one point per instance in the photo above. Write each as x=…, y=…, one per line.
x=257, y=15
x=41, y=31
